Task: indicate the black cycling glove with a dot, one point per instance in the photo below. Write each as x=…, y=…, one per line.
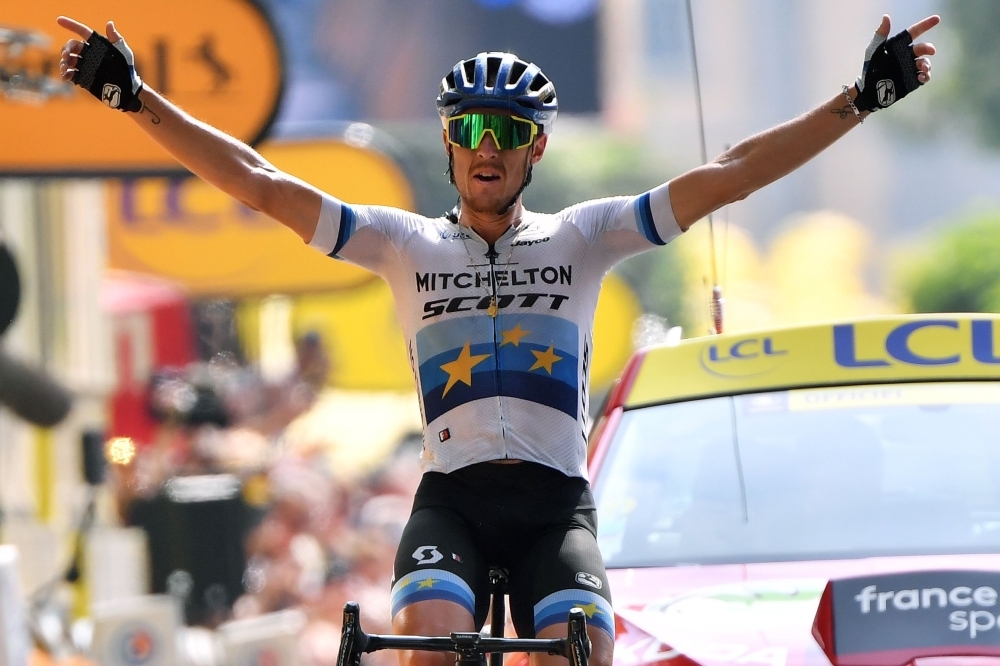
x=107, y=71
x=889, y=74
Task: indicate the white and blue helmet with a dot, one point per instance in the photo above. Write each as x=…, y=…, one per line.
x=498, y=80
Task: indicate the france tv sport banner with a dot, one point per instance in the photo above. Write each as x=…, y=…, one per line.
x=892, y=619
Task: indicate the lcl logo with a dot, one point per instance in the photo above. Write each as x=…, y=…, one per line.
x=897, y=344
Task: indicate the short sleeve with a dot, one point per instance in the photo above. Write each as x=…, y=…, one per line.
x=622, y=226
x=363, y=235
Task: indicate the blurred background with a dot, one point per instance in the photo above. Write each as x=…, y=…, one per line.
x=198, y=406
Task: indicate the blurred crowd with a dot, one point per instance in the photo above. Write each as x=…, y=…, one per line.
x=317, y=539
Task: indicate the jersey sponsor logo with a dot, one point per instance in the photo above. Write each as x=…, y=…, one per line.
x=886, y=91
x=427, y=555
x=444, y=435
x=589, y=579
x=528, y=242
x=440, y=306
x=562, y=275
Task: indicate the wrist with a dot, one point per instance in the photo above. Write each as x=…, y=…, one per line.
x=851, y=94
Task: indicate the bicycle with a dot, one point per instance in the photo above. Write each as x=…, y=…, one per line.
x=470, y=647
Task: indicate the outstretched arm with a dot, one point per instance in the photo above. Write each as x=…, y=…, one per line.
x=766, y=157
x=229, y=164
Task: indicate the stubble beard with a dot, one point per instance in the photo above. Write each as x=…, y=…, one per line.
x=487, y=207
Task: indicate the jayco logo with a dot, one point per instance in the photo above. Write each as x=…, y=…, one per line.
x=528, y=242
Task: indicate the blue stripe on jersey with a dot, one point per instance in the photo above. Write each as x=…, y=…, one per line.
x=538, y=388
x=444, y=336
x=347, y=224
x=644, y=214
x=555, y=608
x=431, y=584
x=535, y=362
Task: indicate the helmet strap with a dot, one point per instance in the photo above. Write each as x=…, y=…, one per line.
x=451, y=166
x=453, y=214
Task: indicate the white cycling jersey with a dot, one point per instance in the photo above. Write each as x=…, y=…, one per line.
x=515, y=385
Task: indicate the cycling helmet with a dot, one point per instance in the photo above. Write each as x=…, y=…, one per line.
x=499, y=80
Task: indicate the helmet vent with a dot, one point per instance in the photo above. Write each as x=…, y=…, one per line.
x=469, y=66
x=538, y=83
x=450, y=81
x=492, y=70
x=516, y=70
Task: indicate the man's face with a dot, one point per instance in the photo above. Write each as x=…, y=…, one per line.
x=487, y=177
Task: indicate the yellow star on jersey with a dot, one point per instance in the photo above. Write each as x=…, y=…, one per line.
x=590, y=610
x=514, y=335
x=429, y=583
x=545, y=359
x=460, y=370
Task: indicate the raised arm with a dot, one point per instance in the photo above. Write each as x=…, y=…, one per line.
x=766, y=157
x=229, y=164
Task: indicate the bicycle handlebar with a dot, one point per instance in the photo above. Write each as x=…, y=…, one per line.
x=469, y=647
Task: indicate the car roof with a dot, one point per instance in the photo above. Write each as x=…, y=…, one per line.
x=904, y=348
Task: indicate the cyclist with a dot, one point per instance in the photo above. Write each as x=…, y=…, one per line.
x=497, y=304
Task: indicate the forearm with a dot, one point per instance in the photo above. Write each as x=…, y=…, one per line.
x=229, y=164
x=772, y=154
x=759, y=160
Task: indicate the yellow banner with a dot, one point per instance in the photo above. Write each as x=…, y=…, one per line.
x=217, y=59
x=888, y=349
x=187, y=231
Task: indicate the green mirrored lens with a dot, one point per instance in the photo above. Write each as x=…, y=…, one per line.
x=509, y=132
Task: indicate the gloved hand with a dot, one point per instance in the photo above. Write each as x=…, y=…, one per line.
x=892, y=68
x=105, y=67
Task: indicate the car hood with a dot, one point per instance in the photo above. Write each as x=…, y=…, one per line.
x=741, y=614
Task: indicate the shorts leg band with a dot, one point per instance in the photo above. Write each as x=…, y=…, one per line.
x=555, y=608
x=428, y=584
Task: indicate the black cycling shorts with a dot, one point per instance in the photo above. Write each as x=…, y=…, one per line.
x=532, y=520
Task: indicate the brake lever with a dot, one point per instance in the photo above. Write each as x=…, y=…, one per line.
x=578, y=642
x=353, y=640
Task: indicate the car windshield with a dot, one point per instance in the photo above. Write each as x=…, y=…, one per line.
x=846, y=472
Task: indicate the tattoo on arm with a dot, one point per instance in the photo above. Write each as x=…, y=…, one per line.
x=844, y=112
x=156, y=119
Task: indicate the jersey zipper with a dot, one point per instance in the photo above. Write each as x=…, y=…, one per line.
x=492, y=255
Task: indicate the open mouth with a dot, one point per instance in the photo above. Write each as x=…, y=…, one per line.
x=486, y=177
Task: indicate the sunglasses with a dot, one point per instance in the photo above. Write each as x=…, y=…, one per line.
x=509, y=132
